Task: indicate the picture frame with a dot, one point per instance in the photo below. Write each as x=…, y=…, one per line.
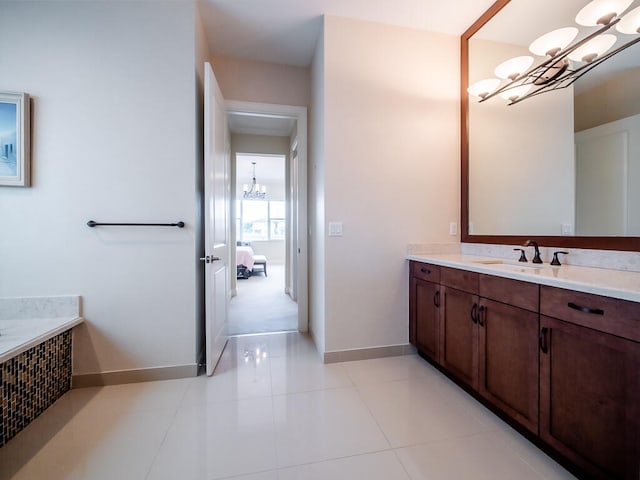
x=15, y=140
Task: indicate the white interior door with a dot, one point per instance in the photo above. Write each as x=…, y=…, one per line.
x=216, y=191
x=601, y=183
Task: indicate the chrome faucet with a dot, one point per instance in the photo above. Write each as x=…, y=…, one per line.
x=536, y=256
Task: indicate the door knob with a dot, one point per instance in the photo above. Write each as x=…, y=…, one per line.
x=209, y=259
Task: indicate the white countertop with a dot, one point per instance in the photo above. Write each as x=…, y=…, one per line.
x=600, y=281
x=17, y=336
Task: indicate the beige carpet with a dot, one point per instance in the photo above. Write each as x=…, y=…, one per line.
x=261, y=305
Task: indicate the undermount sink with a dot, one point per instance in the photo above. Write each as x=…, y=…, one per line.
x=512, y=266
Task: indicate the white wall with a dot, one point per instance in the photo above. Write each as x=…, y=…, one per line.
x=262, y=82
x=114, y=139
x=389, y=163
x=617, y=94
x=316, y=180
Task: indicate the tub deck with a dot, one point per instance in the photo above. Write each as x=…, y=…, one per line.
x=19, y=335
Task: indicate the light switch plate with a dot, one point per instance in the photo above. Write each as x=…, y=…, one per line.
x=453, y=228
x=335, y=229
x=567, y=229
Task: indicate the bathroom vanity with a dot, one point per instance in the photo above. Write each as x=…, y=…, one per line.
x=553, y=350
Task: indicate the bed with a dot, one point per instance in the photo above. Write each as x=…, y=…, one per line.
x=246, y=260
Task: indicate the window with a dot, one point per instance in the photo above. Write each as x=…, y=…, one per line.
x=260, y=221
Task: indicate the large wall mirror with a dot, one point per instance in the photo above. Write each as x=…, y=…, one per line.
x=562, y=167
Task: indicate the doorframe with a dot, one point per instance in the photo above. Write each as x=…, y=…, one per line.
x=300, y=115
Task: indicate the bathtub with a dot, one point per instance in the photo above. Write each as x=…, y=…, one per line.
x=35, y=357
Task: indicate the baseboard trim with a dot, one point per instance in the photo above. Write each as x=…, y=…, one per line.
x=368, y=353
x=133, y=376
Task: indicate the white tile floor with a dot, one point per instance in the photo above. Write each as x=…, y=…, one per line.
x=286, y=417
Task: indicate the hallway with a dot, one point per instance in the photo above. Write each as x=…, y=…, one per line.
x=261, y=306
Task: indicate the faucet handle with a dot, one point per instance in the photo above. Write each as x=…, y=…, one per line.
x=555, y=260
x=523, y=257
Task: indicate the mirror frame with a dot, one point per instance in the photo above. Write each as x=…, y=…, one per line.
x=600, y=243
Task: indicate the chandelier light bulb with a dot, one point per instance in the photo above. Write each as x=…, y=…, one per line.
x=514, y=67
x=514, y=93
x=630, y=23
x=601, y=12
x=484, y=87
x=553, y=42
x=594, y=48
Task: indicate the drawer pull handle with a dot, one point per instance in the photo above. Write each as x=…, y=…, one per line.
x=481, y=313
x=436, y=299
x=474, y=313
x=595, y=311
x=426, y=271
x=542, y=340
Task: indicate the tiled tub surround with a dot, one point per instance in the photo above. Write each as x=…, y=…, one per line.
x=35, y=357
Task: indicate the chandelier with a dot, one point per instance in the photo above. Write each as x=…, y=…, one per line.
x=564, y=62
x=256, y=191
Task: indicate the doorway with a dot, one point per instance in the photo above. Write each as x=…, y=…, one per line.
x=262, y=302
x=274, y=296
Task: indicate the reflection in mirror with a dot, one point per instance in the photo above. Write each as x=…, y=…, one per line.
x=564, y=163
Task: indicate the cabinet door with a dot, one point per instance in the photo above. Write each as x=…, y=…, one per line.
x=459, y=334
x=427, y=318
x=508, y=360
x=590, y=398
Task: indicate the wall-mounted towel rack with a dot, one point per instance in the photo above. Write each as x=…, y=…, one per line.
x=93, y=223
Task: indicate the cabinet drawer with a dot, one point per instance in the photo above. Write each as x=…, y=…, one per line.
x=425, y=271
x=460, y=279
x=513, y=292
x=610, y=315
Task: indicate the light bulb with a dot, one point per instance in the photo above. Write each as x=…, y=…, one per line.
x=630, y=23
x=601, y=12
x=514, y=67
x=484, y=87
x=514, y=93
x=552, y=42
x=593, y=48
x=245, y=188
x=264, y=189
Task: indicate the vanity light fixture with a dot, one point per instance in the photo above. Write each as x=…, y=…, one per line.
x=630, y=23
x=514, y=67
x=601, y=12
x=484, y=87
x=565, y=62
x=255, y=191
x=516, y=92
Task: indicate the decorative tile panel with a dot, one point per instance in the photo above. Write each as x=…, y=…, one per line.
x=32, y=381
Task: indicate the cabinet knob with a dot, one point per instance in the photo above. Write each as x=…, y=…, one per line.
x=474, y=313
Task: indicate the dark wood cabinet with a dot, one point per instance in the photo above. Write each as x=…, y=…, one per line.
x=508, y=360
x=508, y=347
x=564, y=365
x=590, y=382
x=459, y=335
x=424, y=314
x=427, y=318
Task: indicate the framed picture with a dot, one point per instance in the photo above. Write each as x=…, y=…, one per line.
x=15, y=161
